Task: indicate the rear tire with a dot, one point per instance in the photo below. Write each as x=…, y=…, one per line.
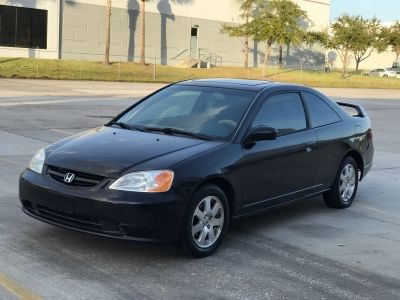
x=206, y=222
x=344, y=188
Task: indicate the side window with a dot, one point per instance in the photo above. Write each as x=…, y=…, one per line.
x=284, y=112
x=320, y=113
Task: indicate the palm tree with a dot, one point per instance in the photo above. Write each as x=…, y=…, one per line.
x=108, y=32
x=143, y=32
x=247, y=12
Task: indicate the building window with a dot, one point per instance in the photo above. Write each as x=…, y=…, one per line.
x=23, y=27
x=195, y=31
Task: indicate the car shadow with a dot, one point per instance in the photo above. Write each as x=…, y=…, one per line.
x=88, y=243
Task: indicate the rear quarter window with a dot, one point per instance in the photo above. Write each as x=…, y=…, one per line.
x=320, y=113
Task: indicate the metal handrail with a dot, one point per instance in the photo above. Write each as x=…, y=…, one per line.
x=201, y=55
x=208, y=56
x=175, y=57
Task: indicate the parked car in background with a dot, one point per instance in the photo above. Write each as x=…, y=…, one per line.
x=183, y=162
x=388, y=72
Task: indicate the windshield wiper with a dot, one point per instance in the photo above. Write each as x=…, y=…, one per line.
x=127, y=126
x=169, y=130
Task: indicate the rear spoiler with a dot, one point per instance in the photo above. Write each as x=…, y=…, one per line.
x=361, y=112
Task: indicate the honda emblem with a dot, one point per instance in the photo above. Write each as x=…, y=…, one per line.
x=69, y=177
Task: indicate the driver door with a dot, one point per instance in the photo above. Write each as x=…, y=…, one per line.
x=280, y=170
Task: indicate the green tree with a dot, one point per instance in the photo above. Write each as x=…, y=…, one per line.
x=366, y=38
x=339, y=37
x=262, y=27
x=290, y=25
x=242, y=30
x=351, y=35
x=278, y=21
x=392, y=37
x=108, y=32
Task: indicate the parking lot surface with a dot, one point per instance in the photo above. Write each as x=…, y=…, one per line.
x=304, y=250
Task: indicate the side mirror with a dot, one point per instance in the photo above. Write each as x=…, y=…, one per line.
x=260, y=134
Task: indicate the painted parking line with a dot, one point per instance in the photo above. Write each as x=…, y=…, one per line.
x=39, y=102
x=375, y=210
x=17, y=289
x=43, y=102
x=61, y=131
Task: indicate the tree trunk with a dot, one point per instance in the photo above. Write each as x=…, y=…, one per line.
x=143, y=33
x=266, y=55
x=108, y=32
x=344, y=61
x=280, y=56
x=246, y=53
x=357, y=65
x=246, y=45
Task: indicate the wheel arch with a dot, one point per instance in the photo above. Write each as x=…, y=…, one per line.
x=226, y=187
x=359, y=160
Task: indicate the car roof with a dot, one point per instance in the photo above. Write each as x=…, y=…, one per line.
x=239, y=84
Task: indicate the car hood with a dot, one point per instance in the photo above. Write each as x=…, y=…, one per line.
x=108, y=151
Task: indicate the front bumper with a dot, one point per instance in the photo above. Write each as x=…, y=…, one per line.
x=118, y=214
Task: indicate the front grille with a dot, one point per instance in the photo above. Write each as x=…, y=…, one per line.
x=81, y=179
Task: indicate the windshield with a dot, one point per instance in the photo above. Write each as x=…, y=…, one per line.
x=212, y=112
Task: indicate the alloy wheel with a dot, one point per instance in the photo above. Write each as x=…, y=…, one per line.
x=207, y=221
x=347, y=182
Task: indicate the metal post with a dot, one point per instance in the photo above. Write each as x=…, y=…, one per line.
x=198, y=60
x=119, y=69
x=154, y=66
x=80, y=69
x=37, y=65
x=301, y=72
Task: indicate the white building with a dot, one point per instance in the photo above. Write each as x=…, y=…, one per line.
x=174, y=29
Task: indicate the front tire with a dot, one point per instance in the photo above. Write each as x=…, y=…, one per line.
x=206, y=222
x=344, y=188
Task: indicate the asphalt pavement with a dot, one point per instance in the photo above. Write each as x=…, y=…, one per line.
x=304, y=250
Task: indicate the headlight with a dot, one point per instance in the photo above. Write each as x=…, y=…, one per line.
x=146, y=181
x=37, y=161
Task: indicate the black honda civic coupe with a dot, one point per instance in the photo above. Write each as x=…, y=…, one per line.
x=185, y=161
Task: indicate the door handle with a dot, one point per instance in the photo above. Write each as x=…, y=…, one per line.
x=310, y=145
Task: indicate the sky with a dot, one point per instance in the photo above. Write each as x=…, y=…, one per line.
x=386, y=10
